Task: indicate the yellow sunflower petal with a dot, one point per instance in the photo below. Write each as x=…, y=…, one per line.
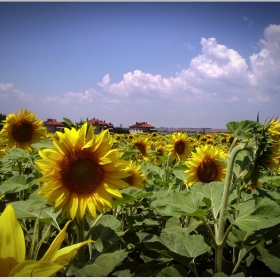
x=35, y=269
x=66, y=254
x=12, y=243
x=73, y=205
x=91, y=209
x=49, y=255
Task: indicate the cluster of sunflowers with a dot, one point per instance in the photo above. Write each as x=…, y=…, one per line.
x=83, y=173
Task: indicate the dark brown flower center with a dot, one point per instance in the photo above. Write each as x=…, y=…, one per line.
x=129, y=180
x=160, y=152
x=141, y=148
x=81, y=175
x=22, y=132
x=180, y=147
x=207, y=171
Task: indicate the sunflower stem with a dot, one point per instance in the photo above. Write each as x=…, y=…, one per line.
x=222, y=221
x=81, y=238
x=166, y=169
x=21, y=192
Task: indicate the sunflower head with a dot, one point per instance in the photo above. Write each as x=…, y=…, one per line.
x=180, y=147
x=136, y=178
x=83, y=173
x=22, y=130
x=205, y=165
x=160, y=151
x=142, y=144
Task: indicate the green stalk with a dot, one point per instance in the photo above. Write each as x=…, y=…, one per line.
x=222, y=221
x=81, y=238
x=21, y=192
x=166, y=169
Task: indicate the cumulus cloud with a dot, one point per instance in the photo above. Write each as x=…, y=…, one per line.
x=215, y=70
x=266, y=63
x=4, y=87
x=219, y=72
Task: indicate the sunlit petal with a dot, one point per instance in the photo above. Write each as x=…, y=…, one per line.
x=12, y=244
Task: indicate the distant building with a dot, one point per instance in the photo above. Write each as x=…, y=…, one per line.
x=141, y=127
x=100, y=125
x=53, y=125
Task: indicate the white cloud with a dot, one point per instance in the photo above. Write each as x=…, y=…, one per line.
x=217, y=67
x=217, y=61
x=88, y=97
x=189, y=46
x=265, y=77
x=4, y=87
x=259, y=98
x=233, y=99
x=247, y=19
x=9, y=93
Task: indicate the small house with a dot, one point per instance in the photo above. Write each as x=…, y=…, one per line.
x=53, y=125
x=100, y=125
x=140, y=127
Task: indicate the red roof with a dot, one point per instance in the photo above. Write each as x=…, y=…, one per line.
x=141, y=125
x=95, y=121
x=53, y=122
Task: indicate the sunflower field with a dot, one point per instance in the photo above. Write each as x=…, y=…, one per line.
x=79, y=204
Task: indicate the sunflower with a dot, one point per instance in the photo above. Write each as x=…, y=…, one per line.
x=22, y=130
x=271, y=149
x=136, y=178
x=274, y=130
x=180, y=147
x=160, y=151
x=205, y=166
x=83, y=173
x=142, y=144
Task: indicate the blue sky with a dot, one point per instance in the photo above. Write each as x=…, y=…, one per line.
x=179, y=64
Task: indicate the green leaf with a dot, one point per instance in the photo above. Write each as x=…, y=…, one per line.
x=184, y=244
x=264, y=214
x=68, y=122
x=44, y=144
x=179, y=203
x=232, y=126
x=14, y=184
x=37, y=202
x=175, y=270
x=22, y=210
x=179, y=245
x=103, y=264
x=158, y=170
x=237, y=237
x=212, y=191
x=18, y=153
x=106, y=229
x=173, y=225
x=180, y=174
x=127, y=154
x=268, y=259
x=131, y=194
